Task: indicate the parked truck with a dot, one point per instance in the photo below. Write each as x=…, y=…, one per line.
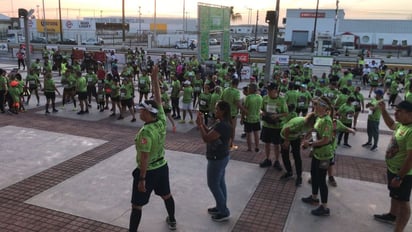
x=349, y=41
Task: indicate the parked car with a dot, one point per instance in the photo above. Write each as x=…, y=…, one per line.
x=331, y=52
x=184, y=44
x=263, y=47
x=236, y=46
x=38, y=40
x=213, y=42
x=93, y=41
x=67, y=41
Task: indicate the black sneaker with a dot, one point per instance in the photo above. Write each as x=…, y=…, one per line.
x=47, y=112
x=55, y=111
x=347, y=145
x=212, y=211
x=386, y=218
x=257, y=150
x=321, y=211
x=243, y=135
x=171, y=224
x=220, y=217
x=310, y=200
x=80, y=112
x=298, y=181
x=374, y=148
x=120, y=118
x=265, y=163
x=133, y=120
x=366, y=144
x=332, y=181
x=286, y=176
x=277, y=166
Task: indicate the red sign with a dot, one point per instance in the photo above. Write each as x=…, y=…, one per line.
x=100, y=56
x=243, y=56
x=312, y=14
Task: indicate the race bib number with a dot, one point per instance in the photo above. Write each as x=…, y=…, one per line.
x=271, y=108
x=202, y=103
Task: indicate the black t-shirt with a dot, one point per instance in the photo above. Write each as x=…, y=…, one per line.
x=219, y=148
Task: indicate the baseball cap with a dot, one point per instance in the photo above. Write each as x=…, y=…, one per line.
x=405, y=105
x=379, y=92
x=152, y=108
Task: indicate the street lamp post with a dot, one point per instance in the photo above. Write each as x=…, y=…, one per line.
x=60, y=22
x=45, y=24
x=123, y=23
x=314, y=26
x=155, y=25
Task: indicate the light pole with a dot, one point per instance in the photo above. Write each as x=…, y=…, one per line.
x=45, y=24
x=155, y=25
x=60, y=22
x=123, y=23
x=184, y=10
x=314, y=26
x=140, y=23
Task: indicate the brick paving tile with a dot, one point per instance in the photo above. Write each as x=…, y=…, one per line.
x=267, y=209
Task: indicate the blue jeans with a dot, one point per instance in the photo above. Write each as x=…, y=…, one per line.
x=216, y=183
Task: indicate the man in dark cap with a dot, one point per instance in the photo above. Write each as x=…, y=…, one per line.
x=399, y=165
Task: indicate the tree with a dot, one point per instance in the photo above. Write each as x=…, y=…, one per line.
x=235, y=16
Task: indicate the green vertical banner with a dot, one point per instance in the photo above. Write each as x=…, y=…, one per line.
x=213, y=19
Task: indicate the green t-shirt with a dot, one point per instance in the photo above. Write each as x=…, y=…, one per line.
x=231, y=95
x=204, y=102
x=151, y=138
x=3, y=83
x=166, y=101
x=346, y=113
x=197, y=85
x=304, y=99
x=91, y=79
x=144, y=83
x=49, y=86
x=375, y=115
x=296, y=127
x=408, y=97
x=187, y=94
x=374, y=79
x=397, y=151
x=291, y=97
x=125, y=92
x=394, y=88
x=33, y=81
x=81, y=85
x=324, y=128
x=175, y=88
x=340, y=100
x=253, y=104
x=213, y=100
x=274, y=106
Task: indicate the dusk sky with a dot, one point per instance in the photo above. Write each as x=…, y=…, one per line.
x=77, y=9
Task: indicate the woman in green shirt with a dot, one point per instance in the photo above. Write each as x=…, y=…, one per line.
x=322, y=153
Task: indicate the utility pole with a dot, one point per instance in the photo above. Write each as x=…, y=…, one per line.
x=140, y=23
x=270, y=19
x=314, y=26
x=336, y=18
x=45, y=25
x=123, y=23
x=60, y=22
x=256, y=27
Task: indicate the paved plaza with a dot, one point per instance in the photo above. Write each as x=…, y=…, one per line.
x=69, y=172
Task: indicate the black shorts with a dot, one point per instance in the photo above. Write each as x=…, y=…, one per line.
x=50, y=95
x=82, y=95
x=403, y=193
x=270, y=135
x=92, y=90
x=252, y=126
x=157, y=180
x=127, y=102
x=167, y=111
x=115, y=99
